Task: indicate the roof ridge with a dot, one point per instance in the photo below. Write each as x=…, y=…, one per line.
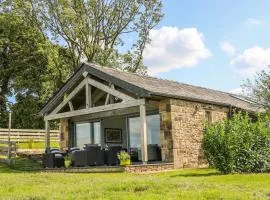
x=157, y=78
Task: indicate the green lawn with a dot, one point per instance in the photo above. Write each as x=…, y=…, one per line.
x=181, y=184
x=36, y=145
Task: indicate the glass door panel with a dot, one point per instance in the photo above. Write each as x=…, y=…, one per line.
x=97, y=132
x=83, y=134
x=153, y=137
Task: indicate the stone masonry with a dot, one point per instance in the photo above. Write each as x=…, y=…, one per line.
x=182, y=124
x=64, y=131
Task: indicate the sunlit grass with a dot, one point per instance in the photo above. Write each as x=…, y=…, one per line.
x=180, y=184
x=35, y=145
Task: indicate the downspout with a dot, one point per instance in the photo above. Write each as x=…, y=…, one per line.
x=230, y=111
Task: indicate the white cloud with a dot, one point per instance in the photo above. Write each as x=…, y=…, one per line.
x=236, y=91
x=252, y=21
x=172, y=48
x=227, y=48
x=251, y=61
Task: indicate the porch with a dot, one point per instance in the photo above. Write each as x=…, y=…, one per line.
x=98, y=114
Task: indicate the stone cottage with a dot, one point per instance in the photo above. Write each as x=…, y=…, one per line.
x=155, y=120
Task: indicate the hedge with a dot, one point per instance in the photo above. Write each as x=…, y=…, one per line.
x=239, y=144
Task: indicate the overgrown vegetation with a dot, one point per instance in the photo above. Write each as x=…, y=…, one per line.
x=239, y=144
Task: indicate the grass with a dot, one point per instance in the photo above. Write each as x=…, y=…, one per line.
x=36, y=145
x=181, y=184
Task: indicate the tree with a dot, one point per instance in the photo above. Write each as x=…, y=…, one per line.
x=96, y=29
x=259, y=88
x=25, y=112
x=18, y=55
x=31, y=68
x=43, y=41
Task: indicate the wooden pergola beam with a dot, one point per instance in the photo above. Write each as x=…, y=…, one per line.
x=70, y=106
x=97, y=95
x=69, y=97
x=88, y=95
x=47, y=135
x=98, y=109
x=143, y=134
x=109, y=90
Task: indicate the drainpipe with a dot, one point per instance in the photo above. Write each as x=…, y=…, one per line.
x=230, y=112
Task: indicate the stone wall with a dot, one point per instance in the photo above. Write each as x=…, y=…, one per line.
x=149, y=168
x=64, y=131
x=166, y=139
x=182, y=122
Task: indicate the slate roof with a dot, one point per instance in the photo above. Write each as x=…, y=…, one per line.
x=147, y=86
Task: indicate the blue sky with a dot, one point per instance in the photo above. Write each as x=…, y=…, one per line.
x=235, y=35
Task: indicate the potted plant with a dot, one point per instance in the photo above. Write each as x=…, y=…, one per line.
x=124, y=158
x=68, y=161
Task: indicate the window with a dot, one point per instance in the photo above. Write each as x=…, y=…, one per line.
x=153, y=131
x=134, y=132
x=96, y=132
x=88, y=133
x=83, y=135
x=208, y=116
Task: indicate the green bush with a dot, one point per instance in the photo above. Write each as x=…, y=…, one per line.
x=124, y=156
x=238, y=144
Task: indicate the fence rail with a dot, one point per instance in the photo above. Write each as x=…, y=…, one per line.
x=26, y=135
x=7, y=152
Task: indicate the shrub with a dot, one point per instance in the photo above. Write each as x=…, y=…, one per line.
x=238, y=144
x=124, y=156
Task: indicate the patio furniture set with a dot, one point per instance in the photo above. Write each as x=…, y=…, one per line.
x=91, y=155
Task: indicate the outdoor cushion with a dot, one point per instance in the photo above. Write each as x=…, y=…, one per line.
x=58, y=155
x=74, y=149
x=55, y=151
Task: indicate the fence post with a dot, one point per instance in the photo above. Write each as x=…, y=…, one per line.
x=9, y=144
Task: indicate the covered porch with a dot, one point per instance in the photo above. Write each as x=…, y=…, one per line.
x=97, y=113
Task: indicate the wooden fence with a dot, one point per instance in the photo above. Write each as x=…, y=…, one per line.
x=29, y=140
x=7, y=152
x=26, y=135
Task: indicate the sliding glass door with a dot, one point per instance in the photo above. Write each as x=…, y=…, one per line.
x=83, y=135
x=153, y=136
x=96, y=130
x=87, y=133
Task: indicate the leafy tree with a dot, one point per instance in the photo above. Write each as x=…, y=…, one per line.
x=43, y=41
x=96, y=29
x=260, y=88
x=30, y=67
x=25, y=112
x=19, y=55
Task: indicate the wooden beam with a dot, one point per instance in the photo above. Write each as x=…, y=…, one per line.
x=97, y=95
x=134, y=111
x=47, y=136
x=109, y=90
x=93, y=110
x=69, y=97
x=143, y=134
x=70, y=106
x=109, y=97
x=88, y=94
